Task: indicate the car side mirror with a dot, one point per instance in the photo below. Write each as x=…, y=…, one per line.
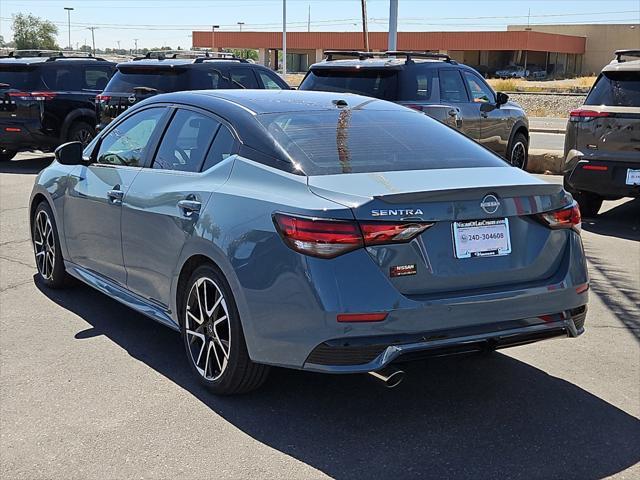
x=69, y=153
x=501, y=98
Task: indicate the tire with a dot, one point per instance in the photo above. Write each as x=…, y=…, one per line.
x=213, y=337
x=81, y=132
x=46, y=248
x=6, y=155
x=519, y=151
x=589, y=203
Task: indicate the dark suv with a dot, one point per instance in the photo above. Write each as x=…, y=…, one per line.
x=47, y=99
x=602, y=144
x=452, y=93
x=163, y=72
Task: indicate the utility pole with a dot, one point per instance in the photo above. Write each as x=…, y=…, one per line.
x=284, y=38
x=118, y=46
x=365, y=32
x=135, y=40
x=93, y=38
x=213, y=36
x=393, y=25
x=68, y=9
x=309, y=19
x=240, y=24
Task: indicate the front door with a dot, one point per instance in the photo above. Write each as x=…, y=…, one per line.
x=165, y=205
x=453, y=94
x=93, y=207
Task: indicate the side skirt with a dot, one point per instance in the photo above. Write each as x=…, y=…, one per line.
x=121, y=294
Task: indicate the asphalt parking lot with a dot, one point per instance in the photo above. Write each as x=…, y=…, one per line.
x=90, y=389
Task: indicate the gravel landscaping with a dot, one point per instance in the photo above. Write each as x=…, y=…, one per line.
x=541, y=105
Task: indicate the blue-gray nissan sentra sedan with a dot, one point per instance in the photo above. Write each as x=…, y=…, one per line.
x=321, y=231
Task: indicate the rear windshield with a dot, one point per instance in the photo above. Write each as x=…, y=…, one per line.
x=163, y=80
x=616, y=89
x=356, y=141
x=19, y=78
x=381, y=84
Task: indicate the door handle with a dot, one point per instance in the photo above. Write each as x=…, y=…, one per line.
x=115, y=195
x=189, y=207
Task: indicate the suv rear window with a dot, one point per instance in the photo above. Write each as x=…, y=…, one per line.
x=381, y=84
x=19, y=77
x=161, y=79
x=356, y=141
x=616, y=89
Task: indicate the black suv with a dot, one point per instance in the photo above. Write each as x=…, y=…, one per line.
x=47, y=98
x=432, y=83
x=163, y=72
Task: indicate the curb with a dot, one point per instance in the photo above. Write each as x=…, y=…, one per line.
x=547, y=130
x=545, y=161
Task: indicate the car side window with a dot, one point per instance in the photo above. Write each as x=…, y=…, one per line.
x=61, y=78
x=451, y=87
x=480, y=92
x=186, y=141
x=223, y=147
x=127, y=143
x=206, y=79
x=96, y=78
x=243, y=78
x=416, y=85
x=268, y=81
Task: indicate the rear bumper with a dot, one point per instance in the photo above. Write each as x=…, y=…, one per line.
x=365, y=354
x=603, y=177
x=25, y=135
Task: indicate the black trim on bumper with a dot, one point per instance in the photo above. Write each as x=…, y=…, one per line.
x=609, y=183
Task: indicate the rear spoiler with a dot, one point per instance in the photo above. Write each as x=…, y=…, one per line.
x=626, y=53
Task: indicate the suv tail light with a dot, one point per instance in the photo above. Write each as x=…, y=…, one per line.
x=33, y=96
x=568, y=217
x=103, y=98
x=582, y=115
x=328, y=238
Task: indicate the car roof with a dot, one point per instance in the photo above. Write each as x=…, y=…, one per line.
x=49, y=61
x=259, y=102
x=171, y=62
x=377, y=63
x=625, y=66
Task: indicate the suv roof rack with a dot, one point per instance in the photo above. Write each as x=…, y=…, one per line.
x=52, y=55
x=408, y=54
x=626, y=53
x=195, y=54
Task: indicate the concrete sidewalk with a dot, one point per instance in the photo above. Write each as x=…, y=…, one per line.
x=547, y=125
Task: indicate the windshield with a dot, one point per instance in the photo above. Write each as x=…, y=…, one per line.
x=18, y=78
x=619, y=89
x=161, y=79
x=356, y=141
x=381, y=84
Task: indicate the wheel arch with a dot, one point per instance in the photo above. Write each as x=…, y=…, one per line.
x=519, y=127
x=79, y=114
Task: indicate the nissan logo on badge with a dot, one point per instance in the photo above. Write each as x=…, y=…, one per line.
x=490, y=204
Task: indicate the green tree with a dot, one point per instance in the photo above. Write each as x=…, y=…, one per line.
x=31, y=32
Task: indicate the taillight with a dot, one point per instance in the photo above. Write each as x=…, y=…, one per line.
x=103, y=98
x=568, y=217
x=328, y=238
x=33, y=96
x=582, y=115
x=595, y=168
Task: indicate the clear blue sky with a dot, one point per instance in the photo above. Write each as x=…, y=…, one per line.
x=169, y=22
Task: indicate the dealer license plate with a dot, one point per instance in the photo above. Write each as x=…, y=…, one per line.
x=633, y=177
x=481, y=238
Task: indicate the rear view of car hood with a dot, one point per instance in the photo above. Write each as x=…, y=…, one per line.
x=456, y=184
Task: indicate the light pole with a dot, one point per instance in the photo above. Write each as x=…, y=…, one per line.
x=68, y=9
x=136, y=42
x=284, y=38
x=213, y=36
x=393, y=25
x=240, y=25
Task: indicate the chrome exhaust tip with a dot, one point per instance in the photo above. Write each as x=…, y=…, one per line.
x=390, y=376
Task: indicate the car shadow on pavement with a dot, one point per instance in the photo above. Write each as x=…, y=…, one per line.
x=26, y=166
x=456, y=417
x=622, y=221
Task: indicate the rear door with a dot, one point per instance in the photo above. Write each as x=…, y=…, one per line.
x=162, y=208
x=93, y=205
x=453, y=94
